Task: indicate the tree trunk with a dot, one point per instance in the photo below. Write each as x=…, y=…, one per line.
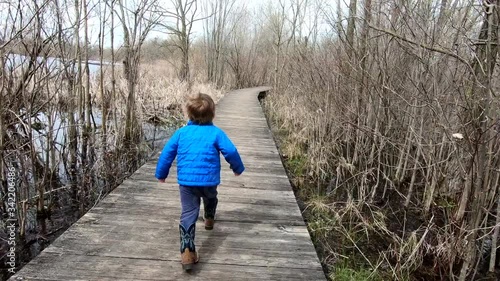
x=113, y=61
x=340, y=29
x=442, y=13
x=87, y=131
x=364, y=45
x=351, y=27
x=104, y=99
x=480, y=97
x=74, y=92
x=184, y=43
x=494, y=237
x=29, y=106
x=130, y=73
x=184, y=73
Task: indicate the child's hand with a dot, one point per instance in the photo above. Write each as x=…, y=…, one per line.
x=162, y=180
x=236, y=175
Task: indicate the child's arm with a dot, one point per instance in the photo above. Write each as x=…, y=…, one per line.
x=230, y=153
x=167, y=157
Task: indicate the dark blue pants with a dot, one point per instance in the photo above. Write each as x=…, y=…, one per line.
x=190, y=203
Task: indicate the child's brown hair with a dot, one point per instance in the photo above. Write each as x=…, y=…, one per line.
x=200, y=108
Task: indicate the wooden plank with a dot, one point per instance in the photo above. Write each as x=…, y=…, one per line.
x=227, y=211
x=78, y=267
x=161, y=197
x=212, y=250
x=148, y=188
x=132, y=234
x=150, y=221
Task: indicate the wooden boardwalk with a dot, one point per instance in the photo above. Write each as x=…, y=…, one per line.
x=132, y=234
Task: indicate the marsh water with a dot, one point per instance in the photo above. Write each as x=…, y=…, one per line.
x=42, y=230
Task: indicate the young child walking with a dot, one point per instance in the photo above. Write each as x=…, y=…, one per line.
x=197, y=146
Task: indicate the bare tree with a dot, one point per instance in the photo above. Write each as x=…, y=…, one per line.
x=185, y=15
x=137, y=21
x=277, y=24
x=216, y=31
x=351, y=26
x=105, y=98
x=482, y=133
x=113, y=63
x=241, y=50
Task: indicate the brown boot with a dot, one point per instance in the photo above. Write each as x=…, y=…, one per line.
x=210, y=206
x=188, y=259
x=209, y=223
x=188, y=249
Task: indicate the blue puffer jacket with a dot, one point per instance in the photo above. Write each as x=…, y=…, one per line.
x=197, y=148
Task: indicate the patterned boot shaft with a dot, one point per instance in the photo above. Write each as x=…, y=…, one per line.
x=187, y=238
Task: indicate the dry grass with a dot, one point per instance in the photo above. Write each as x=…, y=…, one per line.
x=159, y=91
x=364, y=164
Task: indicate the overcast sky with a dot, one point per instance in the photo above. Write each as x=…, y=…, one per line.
x=8, y=15
x=157, y=32
x=256, y=7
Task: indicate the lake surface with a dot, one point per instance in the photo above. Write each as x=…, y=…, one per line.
x=14, y=61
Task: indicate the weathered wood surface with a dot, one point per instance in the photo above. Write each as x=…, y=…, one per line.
x=133, y=233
